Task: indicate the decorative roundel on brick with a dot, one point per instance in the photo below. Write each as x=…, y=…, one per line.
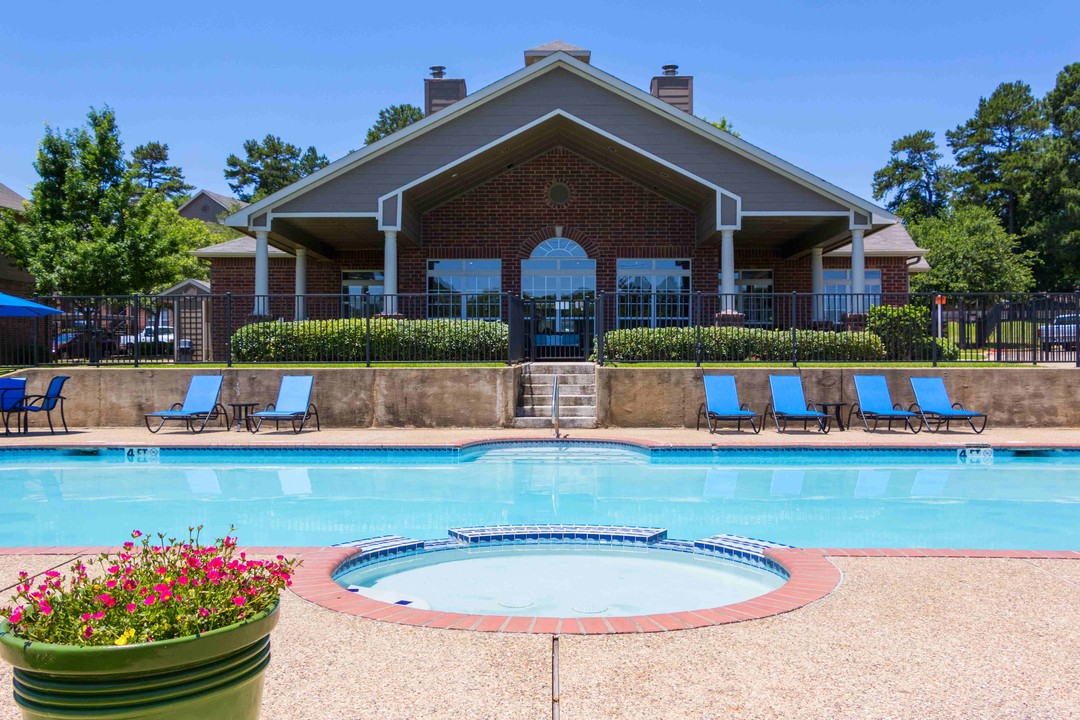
x=559, y=194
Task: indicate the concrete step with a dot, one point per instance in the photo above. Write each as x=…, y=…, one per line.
x=565, y=399
x=561, y=368
x=545, y=411
x=564, y=389
x=539, y=423
x=564, y=379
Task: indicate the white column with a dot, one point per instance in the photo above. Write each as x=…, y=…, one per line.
x=301, y=281
x=390, y=271
x=817, y=283
x=858, y=266
x=262, y=272
x=727, y=268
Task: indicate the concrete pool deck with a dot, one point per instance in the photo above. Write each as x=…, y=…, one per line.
x=900, y=638
x=926, y=637
x=385, y=437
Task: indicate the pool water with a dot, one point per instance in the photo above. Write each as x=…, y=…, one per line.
x=819, y=498
x=554, y=581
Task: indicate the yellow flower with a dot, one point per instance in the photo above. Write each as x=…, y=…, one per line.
x=125, y=637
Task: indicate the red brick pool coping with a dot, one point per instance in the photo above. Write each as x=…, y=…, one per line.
x=812, y=577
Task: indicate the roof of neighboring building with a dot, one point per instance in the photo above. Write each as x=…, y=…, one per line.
x=226, y=202
x=10, y=199
x=238, y=247
x=200, y=285
x=893, y=241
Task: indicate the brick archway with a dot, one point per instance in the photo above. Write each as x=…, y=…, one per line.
x=551, y=231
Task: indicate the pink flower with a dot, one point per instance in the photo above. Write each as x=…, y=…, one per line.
x=110, y=584
x=239, y=601
x=150, y=599
x=88, y=631
x=107, y=599
x=16, y=615
x=136, y=534
x=202, y=612
x=45, y=608
x=51, y=574
x=131, y=607
x=113, y=569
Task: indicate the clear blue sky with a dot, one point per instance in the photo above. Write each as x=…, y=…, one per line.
x=825, y=85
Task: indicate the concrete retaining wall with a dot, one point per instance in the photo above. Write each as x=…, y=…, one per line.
x=1013, y=397
x=345, y=397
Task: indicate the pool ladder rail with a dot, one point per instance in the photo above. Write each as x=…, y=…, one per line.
x=555, y=406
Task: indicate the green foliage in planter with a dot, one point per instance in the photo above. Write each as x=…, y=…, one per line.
x=731, y=344
x=345, y=340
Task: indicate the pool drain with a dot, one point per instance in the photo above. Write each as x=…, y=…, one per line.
x=516, y=602
x=588, y=608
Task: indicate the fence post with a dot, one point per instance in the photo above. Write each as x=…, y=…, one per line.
x=1076, y=332
x=228, y=329
x=1035, y=330
x=697, y=327
x=794, y=335
x=367, y=333
x=135, y=327
x=600, y=330
x=35, y=355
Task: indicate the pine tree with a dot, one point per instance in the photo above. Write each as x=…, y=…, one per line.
x=391, y=119
x=268, y=166
x=151, y=170
x=914, y=181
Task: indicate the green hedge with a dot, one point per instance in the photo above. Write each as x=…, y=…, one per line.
x=391, y=340
x=905, y=332
x=729, y=344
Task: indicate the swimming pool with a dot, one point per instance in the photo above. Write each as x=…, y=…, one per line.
x=816, y=498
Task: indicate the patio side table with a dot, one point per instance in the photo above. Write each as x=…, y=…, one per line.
x=836, y=412
x=242, y=411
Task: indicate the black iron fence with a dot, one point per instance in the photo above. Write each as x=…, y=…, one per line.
x=621, y=327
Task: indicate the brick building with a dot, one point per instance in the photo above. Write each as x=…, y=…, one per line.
x=557, y=183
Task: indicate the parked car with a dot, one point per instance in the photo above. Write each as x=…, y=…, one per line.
x=88, y=344
x=1061, y=332
x=158, y=339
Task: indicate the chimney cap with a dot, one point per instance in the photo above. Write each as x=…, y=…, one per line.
x=542, y=51
x=670, y=69
x=438, y=71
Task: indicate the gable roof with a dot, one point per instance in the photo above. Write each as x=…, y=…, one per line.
x=11, y=200
x=224, y=201
x=561, y=59
x=201, y=286
x=238, y=247
x=893, y=241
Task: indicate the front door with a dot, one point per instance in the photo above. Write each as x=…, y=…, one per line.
x=558, y=284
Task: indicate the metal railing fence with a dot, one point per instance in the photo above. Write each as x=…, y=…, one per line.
x=616, y=327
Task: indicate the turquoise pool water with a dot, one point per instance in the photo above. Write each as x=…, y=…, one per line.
x=821, y=498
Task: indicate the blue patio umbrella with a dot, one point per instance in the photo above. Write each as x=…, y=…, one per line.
x=11, y=306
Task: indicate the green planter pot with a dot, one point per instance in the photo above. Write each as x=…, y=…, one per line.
x=217, y=675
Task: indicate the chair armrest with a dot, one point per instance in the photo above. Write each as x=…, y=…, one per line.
x=269, y=406
x=745, y=407
x=914, y=407
x=958, y=406
x=897, y=406
x=176, y=406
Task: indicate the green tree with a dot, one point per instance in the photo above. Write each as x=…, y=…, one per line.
x=268, y=166
x=391, y=119
x=84, y=232
x=723, y=124
x=1055, y=197
x=150, y=168
x=914, y=183
x=969, y=251
x=995, y=152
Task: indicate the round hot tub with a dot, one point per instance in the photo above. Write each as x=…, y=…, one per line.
x=560, y=581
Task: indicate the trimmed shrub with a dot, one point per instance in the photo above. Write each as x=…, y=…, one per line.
x=392, y=339
x=730, y=344
x=904, y=329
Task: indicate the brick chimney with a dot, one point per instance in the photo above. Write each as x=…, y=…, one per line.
x=673, y=88
x=440, y=91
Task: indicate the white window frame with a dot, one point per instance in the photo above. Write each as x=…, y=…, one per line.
x=654, y=276
x=838, y=292
x=758, y=308
x=449, y=298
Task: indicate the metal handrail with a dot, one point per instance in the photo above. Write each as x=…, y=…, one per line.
x=555, y=405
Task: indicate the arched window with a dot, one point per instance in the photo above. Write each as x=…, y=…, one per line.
x=558, y=247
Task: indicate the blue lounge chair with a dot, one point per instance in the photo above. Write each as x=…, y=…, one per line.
x=722, y=403
x=933, y=405
x=293, y=404
x=789, y=403
x=51, y=400
x=200, y=406
x=12, y=394
x=875, y=404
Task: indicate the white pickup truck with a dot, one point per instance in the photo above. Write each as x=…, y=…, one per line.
x=160, y=335
x=1061, y=332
